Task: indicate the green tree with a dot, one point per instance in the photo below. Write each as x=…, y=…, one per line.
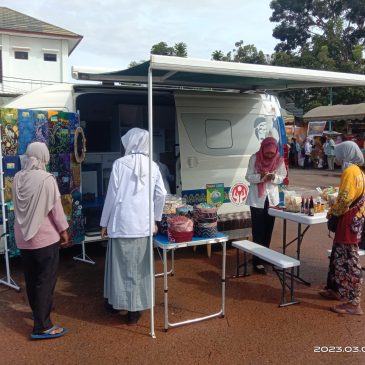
x=321, y=34
x=241, y=53
x=161, y=48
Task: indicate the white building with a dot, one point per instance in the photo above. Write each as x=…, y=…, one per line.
x=32, y=53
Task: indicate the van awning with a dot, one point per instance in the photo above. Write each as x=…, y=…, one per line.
x=188, y=72
x=336, y=112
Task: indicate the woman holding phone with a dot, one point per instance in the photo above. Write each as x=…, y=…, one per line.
x=266, y=170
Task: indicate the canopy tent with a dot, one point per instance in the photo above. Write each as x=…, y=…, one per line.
x=194, y=73
x=336, y=112
x=188, y=72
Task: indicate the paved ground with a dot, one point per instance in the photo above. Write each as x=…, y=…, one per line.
x=254, y=330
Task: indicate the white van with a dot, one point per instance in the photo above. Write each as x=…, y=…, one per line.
x=208, y=121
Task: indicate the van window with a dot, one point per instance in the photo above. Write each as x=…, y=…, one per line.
x=50, y=57
x=218, y=133
x=20, y=55
x=229, y=134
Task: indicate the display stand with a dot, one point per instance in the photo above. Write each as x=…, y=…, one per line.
x=83, y=257
x=7, y=280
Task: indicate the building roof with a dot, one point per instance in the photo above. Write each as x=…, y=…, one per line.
x=336, y=112
x=15, y=22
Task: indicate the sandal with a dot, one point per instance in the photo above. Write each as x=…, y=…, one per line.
x=329, y=294
x=50, y=333
x=347, y=308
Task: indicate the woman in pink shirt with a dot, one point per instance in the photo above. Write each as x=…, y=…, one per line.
x=40, y=229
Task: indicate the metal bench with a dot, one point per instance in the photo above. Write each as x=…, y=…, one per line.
x=280, y=263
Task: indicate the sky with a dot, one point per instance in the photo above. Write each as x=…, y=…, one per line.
x=116, y=32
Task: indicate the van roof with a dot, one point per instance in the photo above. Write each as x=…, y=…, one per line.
x=190, y=72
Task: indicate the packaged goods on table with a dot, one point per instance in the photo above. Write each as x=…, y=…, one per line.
x=180, y=229
x=205, y=220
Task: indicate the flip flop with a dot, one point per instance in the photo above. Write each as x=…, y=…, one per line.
x=48, y=334
x=347, y=309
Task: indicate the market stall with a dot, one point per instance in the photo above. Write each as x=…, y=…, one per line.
x=66, y=144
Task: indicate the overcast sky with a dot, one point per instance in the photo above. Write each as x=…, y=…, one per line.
x=117, y=32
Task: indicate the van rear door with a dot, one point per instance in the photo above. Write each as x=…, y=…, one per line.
x=217, y=135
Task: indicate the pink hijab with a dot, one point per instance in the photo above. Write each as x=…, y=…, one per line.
x=266, y=165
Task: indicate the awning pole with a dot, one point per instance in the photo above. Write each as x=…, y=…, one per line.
x=152, y=223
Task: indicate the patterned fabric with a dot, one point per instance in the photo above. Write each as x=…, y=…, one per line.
x=8, y=188
x=9, y=131
x=73, y=123
x=11, y=165
x=67, y=205
x=60, y=167
x=13, y=250
x=58, y=132
x=345, y=274
x=77, y=219
x=351, y=187
x=40, y=126
x=26, y=130
x=75, y=174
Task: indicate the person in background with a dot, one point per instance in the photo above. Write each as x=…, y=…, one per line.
x=40, y=229
x=125, y=220
x=307, y=152
x=330, y=152
x=344, y=280
x=266, y=170
x=167, y=177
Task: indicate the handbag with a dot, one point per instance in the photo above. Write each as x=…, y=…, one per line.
x=332, y=223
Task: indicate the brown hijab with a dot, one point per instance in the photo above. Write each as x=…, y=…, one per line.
x=35, y=191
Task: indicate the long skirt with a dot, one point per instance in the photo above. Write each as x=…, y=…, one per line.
x=345, y=273
x=127, y=284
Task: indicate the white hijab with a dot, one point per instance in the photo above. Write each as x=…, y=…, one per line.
x=136, y=145
x=35, y=191
x=349, y=153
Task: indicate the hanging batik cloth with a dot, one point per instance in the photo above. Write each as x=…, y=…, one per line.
x=60, y=168
x=26, y=130
x=67, y=206
x=77, y=219
x=11, y=165
x=9, y=131
x=75, y=174
x=40, y=126
x=58, y=132
x=13, y=250
x=73, y=123
x=8, y=188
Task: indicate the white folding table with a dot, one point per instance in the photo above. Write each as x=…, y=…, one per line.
x=162, y=242
x=299, y=218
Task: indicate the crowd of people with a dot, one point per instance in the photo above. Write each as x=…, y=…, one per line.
x=316, y=153
x=41, y=227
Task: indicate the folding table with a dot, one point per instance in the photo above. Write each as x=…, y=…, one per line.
x=299, y=218
x=162, y=242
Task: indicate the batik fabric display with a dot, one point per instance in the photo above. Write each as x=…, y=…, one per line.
x=180, y=229
x=205, y=220
x=9, y=131
x=56, y=129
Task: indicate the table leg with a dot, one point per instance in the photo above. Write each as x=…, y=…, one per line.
x=298, y=246
x=166, y=290
x=224, y=256
x=284, y=236
x=209, y=250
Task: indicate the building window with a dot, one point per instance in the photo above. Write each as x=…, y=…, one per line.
x=50, y=57
x=21, y=55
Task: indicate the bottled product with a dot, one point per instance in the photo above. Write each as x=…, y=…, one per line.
x=302, y=206
x=311, y=207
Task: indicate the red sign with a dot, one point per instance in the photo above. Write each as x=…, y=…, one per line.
x=238, y=193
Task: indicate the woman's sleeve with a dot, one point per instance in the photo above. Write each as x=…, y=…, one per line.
x=159, y=196
x=251, y=175
x=346, y=193
x=280, y=174
x=58, y=216
x=110, y=197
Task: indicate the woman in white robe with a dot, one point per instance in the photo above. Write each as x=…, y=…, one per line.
x=125, y=220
